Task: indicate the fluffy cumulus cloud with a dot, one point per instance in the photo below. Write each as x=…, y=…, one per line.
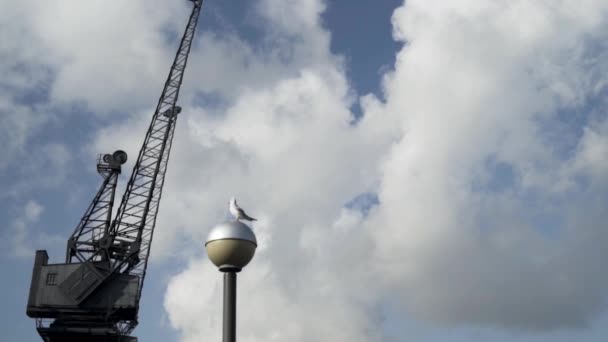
x=48, y=48
x=487, y=155
x=120, y=47
x=487, y=211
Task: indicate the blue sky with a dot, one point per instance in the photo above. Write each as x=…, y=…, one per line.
x=467, y=202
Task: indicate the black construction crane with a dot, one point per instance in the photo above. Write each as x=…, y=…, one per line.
x=94, y=296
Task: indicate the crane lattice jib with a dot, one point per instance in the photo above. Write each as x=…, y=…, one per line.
x=133, y=226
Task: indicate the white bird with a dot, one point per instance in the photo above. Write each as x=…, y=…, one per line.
x=237, y=212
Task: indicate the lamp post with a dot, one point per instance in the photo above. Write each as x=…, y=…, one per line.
x=230, y=246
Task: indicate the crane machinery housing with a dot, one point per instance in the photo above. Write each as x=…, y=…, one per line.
x=94, y=296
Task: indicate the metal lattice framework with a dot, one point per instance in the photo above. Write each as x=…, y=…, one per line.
x=95, y=223
x=133, y=227
x=103, y=248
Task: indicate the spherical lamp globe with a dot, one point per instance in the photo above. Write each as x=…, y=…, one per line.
x=231, y=246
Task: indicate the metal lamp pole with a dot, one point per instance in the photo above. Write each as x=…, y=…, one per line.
x=229, y=307
x=230, y=246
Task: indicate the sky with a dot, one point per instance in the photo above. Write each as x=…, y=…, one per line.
x=423, y=170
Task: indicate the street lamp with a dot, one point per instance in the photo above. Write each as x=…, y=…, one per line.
x=230, y=246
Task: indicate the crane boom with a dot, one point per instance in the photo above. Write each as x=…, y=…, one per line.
x=95, y=295
x=135, y=219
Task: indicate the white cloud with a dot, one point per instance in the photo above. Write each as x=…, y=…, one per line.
x=19, y=123
x=104, y=55
x=63, y=56
x=32, y=211
x=483, y=83
x=477, y=88
x=38, y=167
x=21, y=238
x=592, y=156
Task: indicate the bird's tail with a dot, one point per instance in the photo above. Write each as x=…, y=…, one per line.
x=248, y=218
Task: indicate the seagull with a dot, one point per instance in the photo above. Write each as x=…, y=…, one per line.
x=239, y=213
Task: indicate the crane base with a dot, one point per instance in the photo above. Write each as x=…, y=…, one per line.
x=51, y=335
x=80, y=331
